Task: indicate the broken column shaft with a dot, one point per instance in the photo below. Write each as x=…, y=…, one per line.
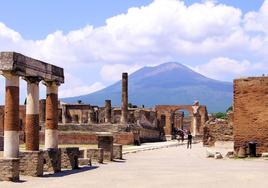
x=108, y=111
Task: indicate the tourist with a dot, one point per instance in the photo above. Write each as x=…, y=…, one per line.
x=189, y=143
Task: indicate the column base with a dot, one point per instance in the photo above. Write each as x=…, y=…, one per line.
x=69, y=158
x=118, y=151
x=96, y=155
x=32, y=163
x=52, y=160
x=9, y=169
x=168, y=137
x=105, y=142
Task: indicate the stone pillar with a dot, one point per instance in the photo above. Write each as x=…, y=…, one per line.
x=168, y=127
x=108, y=111
x=105, y=141
x=63, y=114
x=51, y=131
x=32, y=114
x=11, y=119
x=42, y=110
x=195, y=119
x=124, y=106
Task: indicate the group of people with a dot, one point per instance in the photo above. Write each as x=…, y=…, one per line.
x=181, y=133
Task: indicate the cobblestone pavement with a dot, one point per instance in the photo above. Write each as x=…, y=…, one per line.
x=168, y=167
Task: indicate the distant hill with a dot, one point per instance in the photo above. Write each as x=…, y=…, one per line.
x=168, y=83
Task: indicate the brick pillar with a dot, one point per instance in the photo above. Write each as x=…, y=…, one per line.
x=11, y=119
x=168, y=127
x=51, y=131
x=108, y=111
x=124, y=107
x=32, y=114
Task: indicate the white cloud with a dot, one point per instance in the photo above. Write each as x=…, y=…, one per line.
x=257, y=21
x=224, y=68
x=114, y=72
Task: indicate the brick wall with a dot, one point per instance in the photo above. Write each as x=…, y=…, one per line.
x=251, y=112
x=89, y=138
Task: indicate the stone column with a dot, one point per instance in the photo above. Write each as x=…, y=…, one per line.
x=124, y=106
x=195, y=118
x=168, y=127
x=63, y=114
x=32, y=114
x=42, y=110
x=51, y=131
x=11, y=119
x=108, y=111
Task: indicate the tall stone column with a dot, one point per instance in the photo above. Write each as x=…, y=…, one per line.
x=32, y=114
x=11, y=119
x=51, y=131
x=124, y=106
x=108, y=111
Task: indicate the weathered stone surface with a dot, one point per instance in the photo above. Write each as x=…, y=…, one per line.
x=69, y=157
x=96, y=155
x=1, y=143
x=52, y=160
x=118, y=151
x=230, y=154
x=84, y=161
x=210, y=153
x=25, y=66
x=242, y=152
x=264, y=154
x=250, y=113
x=105, y=141
x=218, y=155
x=9, y=169
x=31, y=163
x=217, y=130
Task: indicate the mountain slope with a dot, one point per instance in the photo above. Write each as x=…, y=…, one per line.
x=168, y=83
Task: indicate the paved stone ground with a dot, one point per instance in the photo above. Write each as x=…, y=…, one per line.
x=172, y=167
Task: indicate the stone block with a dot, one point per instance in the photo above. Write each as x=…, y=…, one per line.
x=242, y=152
x=9, y=169
x=96, y=155
x=218, y=155
x=31, y=163
x=210, y=154
x=69, y=157
x=264, y=155
x=230, y=154
x=118, y=151
x=105, y=141
x=84, y=161
x=52, y=160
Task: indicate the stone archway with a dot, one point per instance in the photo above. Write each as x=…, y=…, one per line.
x=198, y=114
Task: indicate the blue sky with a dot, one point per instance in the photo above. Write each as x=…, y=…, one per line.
x=96, y=40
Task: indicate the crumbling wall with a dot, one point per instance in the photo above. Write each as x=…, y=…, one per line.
x=251, y=112
x=217, y=130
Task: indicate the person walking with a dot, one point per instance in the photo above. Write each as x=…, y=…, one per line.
x=189, y=142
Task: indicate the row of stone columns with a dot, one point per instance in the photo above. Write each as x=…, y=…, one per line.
x=11, y=121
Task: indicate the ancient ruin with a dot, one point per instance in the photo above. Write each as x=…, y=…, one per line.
x=12, y=67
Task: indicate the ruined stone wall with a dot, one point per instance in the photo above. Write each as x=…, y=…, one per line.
x=251, y=112
x=149, y=135
x=89, y=138
x=218, y=130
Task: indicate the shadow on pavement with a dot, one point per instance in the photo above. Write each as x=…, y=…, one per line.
x=70, y=172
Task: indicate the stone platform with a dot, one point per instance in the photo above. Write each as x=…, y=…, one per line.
x=31, y=163
x=9, y=169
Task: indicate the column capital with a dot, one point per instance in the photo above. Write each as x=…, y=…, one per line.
x=51, y=83
x=32, y=79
